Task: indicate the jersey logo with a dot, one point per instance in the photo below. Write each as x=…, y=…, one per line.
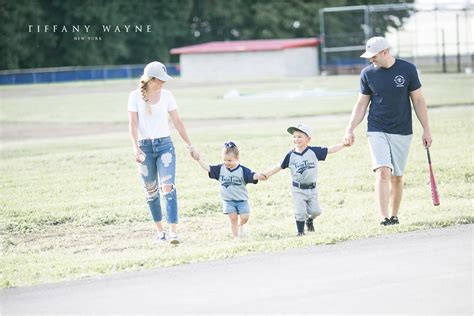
x=227, y=181
x=301, y=167
x=399, y=81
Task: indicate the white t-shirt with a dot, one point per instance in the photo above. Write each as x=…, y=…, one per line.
x=154, y=125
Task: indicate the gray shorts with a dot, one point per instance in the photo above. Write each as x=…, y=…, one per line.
x=389, y=150
x=306, y=203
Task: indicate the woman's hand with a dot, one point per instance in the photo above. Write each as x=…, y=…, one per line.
x=193, y=152
x=139, y=155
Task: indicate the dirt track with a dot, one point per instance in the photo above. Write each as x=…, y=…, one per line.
x=10, y=132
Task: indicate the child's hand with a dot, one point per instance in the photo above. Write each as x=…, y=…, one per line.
x=261, y=176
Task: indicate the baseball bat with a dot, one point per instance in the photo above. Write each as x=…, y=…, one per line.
x=434, y=187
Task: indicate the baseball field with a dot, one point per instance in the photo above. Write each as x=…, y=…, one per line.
x=71, y=203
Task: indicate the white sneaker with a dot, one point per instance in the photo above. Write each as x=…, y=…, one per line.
x=161, y=237
x=242, y=232
x=174, y=239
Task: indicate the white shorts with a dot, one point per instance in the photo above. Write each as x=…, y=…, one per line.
x=389, y=150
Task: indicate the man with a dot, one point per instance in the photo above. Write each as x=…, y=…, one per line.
x=388, y=84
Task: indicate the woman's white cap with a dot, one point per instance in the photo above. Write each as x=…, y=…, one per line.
x=157, y=70
x=374, y=46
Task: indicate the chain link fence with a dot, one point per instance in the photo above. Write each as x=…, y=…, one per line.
x=437, y=38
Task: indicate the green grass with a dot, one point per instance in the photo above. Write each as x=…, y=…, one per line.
x=73, y=207
x=107, y=101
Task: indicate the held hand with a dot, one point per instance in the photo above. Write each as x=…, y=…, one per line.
x=349, y=138
x=261, y=176
x=426, y=139
x=194, y=153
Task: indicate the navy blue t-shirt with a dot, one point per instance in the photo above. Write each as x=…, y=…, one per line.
x=389, y=90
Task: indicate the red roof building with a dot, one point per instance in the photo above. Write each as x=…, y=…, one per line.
x=249, y=59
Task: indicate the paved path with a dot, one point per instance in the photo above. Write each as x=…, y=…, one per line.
x=427, y=272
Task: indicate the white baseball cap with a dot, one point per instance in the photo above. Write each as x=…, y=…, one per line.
x=374, y=46
x=157, y=70
x=301, y=128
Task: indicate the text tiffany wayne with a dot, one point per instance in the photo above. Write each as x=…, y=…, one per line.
x=86, y=28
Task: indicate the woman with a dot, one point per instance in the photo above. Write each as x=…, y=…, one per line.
x=148, y=110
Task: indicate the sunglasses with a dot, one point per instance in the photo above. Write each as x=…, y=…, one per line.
x=230, y=144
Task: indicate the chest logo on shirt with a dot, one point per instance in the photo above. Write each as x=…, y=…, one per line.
x=399, y=81
x=227, y=181
x=301, y=167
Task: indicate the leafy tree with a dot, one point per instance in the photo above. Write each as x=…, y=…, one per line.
x=174, y=23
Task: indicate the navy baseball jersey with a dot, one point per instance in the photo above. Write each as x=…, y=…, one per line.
x=389, y=90
x=304, y=166
x=233, y=181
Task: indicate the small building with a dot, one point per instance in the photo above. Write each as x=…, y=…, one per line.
x=296, y=57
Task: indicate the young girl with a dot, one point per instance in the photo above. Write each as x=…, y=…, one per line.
x=233, y=178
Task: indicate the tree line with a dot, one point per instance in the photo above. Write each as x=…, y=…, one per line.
x=52, y=33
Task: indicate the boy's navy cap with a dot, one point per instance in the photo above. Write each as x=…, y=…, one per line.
x=157, y=70
x=301, y=128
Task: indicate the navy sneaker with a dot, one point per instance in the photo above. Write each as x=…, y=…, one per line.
x=161, y=237
x=309, y=225
x=300, y=234
x=386, y=222
x=394, y=220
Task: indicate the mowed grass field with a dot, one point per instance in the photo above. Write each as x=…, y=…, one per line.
x=72, y=207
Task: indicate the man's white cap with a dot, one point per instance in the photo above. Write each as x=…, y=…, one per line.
x=157, y=70
x=374, y=46
x=301, y=128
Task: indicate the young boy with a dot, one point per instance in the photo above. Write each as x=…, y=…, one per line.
x=303, y=163
x=233, y=178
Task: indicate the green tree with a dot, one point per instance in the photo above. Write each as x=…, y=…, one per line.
x=174, y=23
x=18, y=49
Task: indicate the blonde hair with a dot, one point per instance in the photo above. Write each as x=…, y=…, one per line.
x=230, y=148
x=144, y=80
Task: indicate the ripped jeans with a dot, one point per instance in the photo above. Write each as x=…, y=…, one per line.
x=158, y=169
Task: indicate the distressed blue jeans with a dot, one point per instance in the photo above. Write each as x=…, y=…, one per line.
x=158, y=169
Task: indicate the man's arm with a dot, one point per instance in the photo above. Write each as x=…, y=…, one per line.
x=358, y=114
x=421, y=111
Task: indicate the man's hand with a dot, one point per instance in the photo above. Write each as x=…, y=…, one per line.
x=349, y=138
x=426, y=139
